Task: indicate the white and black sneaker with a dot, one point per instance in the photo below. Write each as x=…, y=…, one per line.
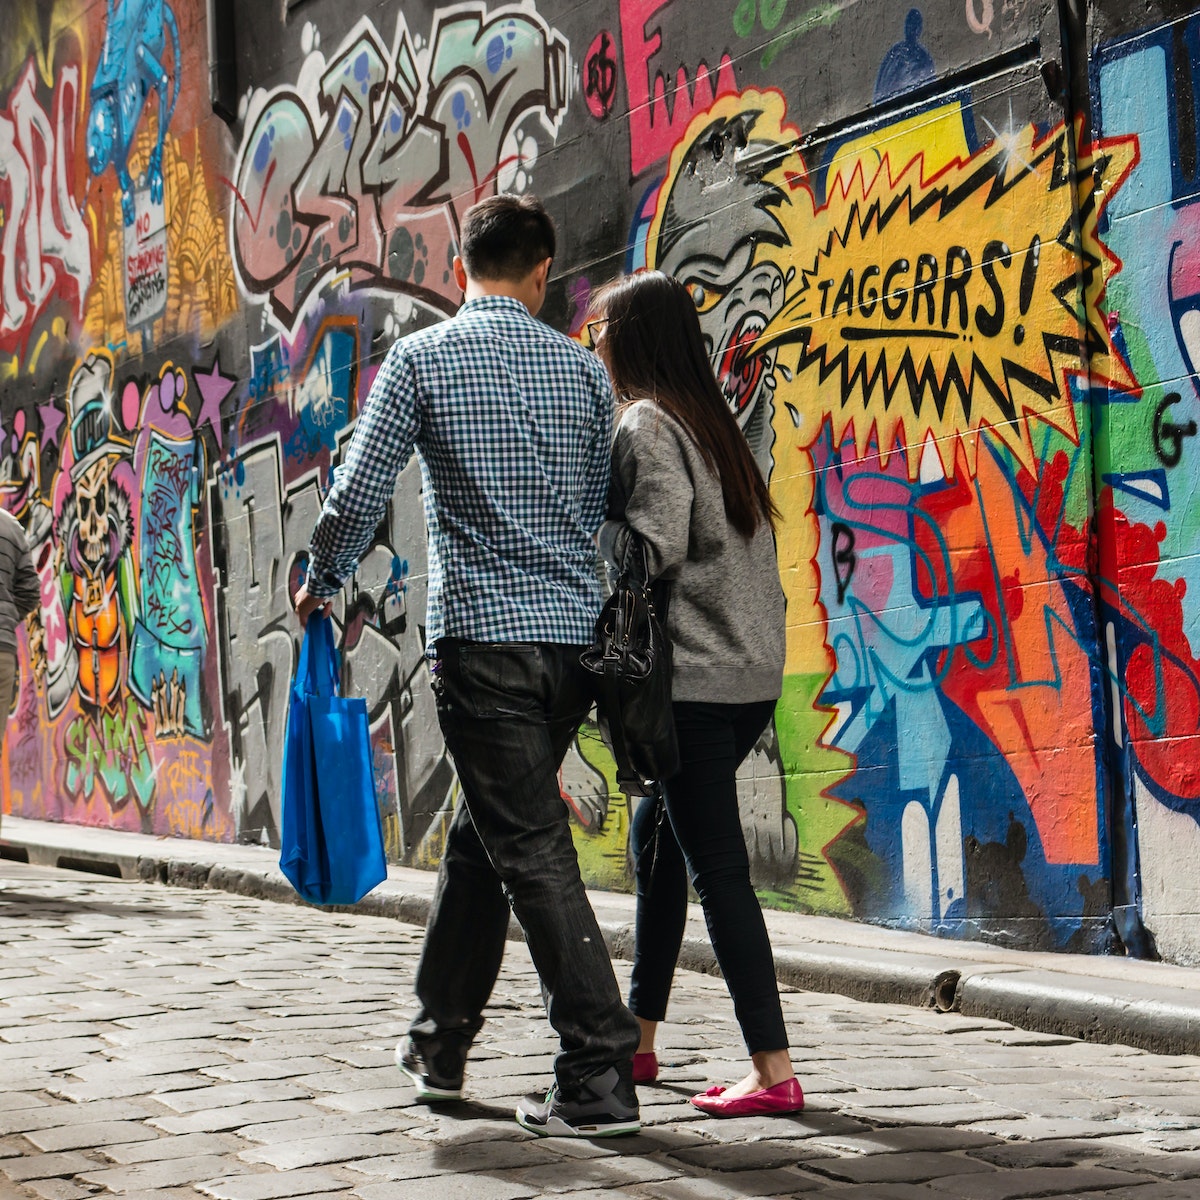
x=603, y=1106
x=435, y=1068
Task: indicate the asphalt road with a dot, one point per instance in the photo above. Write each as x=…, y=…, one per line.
x=169, y=1043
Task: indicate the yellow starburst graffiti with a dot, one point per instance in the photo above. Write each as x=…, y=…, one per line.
x=930, y=295
x=932, y=309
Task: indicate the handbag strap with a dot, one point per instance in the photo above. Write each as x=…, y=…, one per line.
x=657, y=591
x=610, y=688
x=319, y=666
x=635, y=546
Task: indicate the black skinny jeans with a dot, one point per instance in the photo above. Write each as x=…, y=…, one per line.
x=701, y=838
x=508, y=712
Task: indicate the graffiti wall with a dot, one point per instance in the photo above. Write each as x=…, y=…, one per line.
x=945, y=267
x=1143, y=86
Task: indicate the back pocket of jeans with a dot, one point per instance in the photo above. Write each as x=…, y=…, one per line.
x=501, y=680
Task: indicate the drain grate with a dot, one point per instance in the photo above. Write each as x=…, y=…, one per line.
x=92, y=866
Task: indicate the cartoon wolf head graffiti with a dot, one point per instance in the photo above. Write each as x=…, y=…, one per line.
x=715, y=217
x=133, y=63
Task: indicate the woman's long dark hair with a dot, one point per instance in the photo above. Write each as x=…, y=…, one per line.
x=654, y=350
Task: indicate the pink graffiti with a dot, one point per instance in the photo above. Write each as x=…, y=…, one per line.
x=42, y=224
x=654, y=124
x=54, y=618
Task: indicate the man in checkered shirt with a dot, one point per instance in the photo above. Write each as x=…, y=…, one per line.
x=512, y=424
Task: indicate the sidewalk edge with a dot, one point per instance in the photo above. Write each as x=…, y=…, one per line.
x=1165, y=1020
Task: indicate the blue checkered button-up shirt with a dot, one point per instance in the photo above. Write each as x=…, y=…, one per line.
x=512, y=425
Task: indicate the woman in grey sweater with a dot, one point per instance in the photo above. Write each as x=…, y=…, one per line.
x=685, y=483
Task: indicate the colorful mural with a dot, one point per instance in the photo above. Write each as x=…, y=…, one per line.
x=1145, y=461
x=952, y=297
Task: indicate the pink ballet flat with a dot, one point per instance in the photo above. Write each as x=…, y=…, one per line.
x=785, y=1097
x=645, y=1067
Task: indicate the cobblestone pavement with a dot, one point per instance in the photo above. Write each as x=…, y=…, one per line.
x=167, y=1043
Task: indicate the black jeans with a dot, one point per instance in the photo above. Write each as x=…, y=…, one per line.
x=508, y=712
x=701, y=838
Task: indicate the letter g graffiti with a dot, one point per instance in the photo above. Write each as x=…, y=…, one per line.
x=1168, y=436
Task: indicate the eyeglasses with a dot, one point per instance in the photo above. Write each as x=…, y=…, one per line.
x=595, y=329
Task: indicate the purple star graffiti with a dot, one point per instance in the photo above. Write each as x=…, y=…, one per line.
x=214, y=387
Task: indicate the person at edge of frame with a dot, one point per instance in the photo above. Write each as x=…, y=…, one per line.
x=20, y=595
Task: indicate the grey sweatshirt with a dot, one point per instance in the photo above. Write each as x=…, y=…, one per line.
x=20, y=591
x=726, y=616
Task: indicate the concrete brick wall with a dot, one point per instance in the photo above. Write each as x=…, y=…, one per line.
x=942, y=255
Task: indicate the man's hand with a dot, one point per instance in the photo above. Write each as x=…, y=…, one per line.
x=305, y=605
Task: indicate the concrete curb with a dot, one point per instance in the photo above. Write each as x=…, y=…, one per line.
x=1131, y=1013
x=880, y=977
x=1158, y=1012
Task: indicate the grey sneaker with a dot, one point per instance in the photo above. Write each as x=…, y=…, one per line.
x=435, y=1068
x=603, y=1106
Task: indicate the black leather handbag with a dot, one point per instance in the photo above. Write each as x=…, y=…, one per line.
x=631, y=655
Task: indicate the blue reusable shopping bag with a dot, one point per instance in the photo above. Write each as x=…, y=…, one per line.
x=332, y=840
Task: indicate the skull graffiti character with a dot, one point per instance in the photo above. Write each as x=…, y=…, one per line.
x=95, y=532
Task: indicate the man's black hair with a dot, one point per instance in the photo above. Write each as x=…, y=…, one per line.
x=505, y=237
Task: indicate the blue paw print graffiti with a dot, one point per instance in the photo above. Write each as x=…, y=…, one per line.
x=460, y=111
x=408, y=256
x=500, y=48
x=345, y=127
x=132, y=65
x=397, y=578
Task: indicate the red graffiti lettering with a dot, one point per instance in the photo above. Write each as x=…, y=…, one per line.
x=42, y=225
x=654, y=125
